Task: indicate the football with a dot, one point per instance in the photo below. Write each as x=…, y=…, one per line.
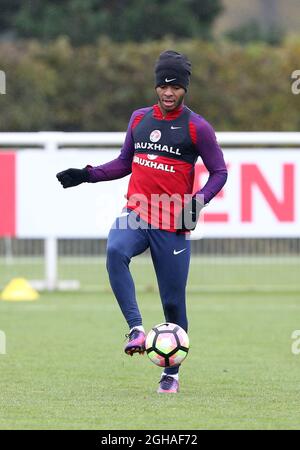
x=167, y=345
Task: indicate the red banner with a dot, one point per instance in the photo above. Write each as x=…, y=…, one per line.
x=7, y=194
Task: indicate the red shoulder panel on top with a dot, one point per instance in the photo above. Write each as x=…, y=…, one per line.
x=136, y=121
x=193, y=132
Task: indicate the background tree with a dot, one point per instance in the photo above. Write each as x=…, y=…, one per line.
x=57, y=86
x=8, y=9
x=121, y=20
x=253, y=31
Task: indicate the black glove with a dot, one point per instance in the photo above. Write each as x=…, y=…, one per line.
x=188, y=218
x=72, y=177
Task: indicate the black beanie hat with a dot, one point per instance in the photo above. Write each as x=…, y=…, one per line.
x=172, y=68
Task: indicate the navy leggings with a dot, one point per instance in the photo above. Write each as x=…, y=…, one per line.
x=170, y=254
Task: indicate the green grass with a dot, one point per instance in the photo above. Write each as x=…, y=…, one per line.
x=65, y=367
x=245, y=273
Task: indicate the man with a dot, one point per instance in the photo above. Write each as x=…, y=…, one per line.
x=160, y=150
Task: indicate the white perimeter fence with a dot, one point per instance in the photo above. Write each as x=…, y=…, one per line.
x=219, y=262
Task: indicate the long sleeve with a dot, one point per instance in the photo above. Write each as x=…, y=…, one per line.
x=212, y=157
x=119, y=167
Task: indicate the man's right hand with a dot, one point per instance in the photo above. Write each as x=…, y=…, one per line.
x=72, y=177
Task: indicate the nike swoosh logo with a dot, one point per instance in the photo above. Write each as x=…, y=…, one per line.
x=169, y=81
x=175, y=252
x=175, y=128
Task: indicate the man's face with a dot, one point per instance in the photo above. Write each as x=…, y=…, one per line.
x=170, y=96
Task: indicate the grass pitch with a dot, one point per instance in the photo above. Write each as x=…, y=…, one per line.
x=65, y=367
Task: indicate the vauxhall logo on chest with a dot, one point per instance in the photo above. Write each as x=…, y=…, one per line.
x=155, y=136
x=153, y=164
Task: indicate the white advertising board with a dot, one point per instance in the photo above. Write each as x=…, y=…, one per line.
x=260, y=199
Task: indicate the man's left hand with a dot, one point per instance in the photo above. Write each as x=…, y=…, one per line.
x=188, y=218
